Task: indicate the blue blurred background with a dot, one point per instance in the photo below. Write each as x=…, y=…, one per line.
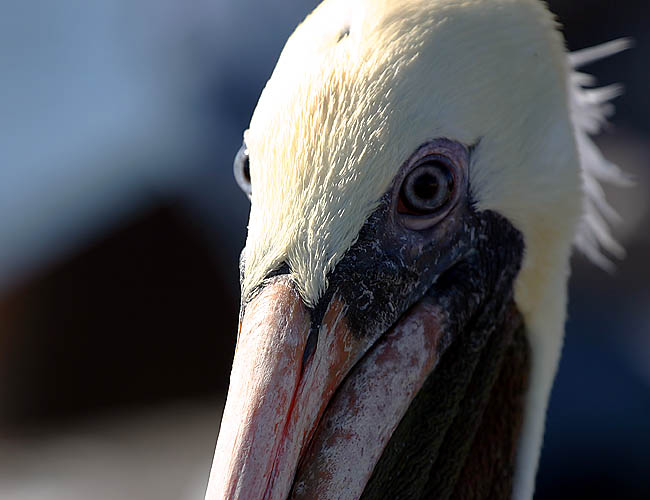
x=120, y=227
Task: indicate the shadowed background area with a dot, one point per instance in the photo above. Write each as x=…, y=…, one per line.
x=121, y=225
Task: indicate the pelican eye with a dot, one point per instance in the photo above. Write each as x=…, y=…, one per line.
x=427, y=189
x=241, y=169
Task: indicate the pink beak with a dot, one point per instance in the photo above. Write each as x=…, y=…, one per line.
x=284, y=430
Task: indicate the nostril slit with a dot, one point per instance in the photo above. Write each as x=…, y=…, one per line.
x=317, y=315
x=310, y=347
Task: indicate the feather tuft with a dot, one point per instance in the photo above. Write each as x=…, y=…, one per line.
x=590, y=108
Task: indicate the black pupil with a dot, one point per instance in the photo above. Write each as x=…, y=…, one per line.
x=426, y=186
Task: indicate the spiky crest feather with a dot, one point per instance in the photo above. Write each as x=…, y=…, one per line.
x=590, y=108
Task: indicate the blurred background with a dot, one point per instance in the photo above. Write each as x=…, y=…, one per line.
x=120, y=228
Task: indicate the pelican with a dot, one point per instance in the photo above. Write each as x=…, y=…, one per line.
x=419, y=173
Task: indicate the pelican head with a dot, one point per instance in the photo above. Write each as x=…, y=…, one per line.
x=416, y=189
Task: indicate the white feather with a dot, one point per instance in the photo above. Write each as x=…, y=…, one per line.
x=590, y=108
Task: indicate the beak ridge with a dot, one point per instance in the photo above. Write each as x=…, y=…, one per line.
x=263, y=384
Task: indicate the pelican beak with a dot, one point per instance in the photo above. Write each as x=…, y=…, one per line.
x=279, y=390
